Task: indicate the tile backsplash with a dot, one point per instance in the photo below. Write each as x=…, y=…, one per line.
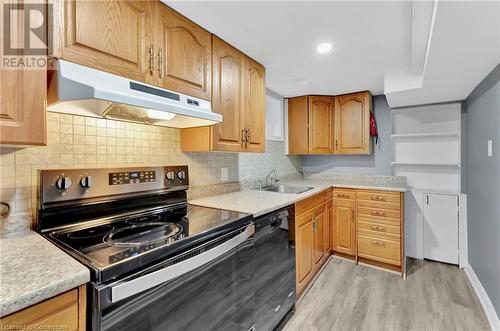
x=83, y=142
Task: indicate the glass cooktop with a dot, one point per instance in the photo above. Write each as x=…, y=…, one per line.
x=121, y=239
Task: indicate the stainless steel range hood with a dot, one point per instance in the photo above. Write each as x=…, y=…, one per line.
x=79, y=90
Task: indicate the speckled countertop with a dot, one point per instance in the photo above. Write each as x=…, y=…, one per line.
x=32, y=269
x=261, y=202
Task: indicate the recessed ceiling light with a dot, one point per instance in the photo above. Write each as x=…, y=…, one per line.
x=324, y=48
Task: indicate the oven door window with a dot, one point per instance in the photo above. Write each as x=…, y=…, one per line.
x=218, y=295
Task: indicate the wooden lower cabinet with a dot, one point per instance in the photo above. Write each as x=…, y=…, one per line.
x=320, y=235
x=329, y=223
x=344, y=234
x=311, y=238
x=304, y=249
x=66, y=311
x=380, y=228
x=368, y=226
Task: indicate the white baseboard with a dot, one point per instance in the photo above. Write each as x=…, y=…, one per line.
x=489, y=310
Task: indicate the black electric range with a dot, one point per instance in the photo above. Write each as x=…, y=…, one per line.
x=120, y=244
x=150, y=253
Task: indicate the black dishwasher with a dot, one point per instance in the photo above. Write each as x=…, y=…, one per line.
x=274, y=270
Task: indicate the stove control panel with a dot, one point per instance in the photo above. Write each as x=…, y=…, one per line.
x=132, y=177
x=80, y=184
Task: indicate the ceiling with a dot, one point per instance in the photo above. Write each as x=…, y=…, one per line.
x=400, y=48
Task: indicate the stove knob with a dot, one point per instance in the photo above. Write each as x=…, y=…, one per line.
x=64, y=183
x=170, y=175
x=181, y=174
x=87, y=182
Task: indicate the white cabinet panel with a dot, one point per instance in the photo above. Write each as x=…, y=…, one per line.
x=274, y=118
x=414, y=244
x=441, y=228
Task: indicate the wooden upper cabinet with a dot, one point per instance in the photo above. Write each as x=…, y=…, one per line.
x=255, y=105
x=298, y=118
x=352, y=123
x=228, y=95
x=23, y=101
x=113, y=36
x=183, y=54
x=23, y=98
x=330, y=125
x=321, y=117
x=238, y=94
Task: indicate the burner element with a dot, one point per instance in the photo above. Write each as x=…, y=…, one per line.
x=144, y=234
x=91, y=232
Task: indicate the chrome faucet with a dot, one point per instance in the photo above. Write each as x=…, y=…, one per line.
x=271, y=175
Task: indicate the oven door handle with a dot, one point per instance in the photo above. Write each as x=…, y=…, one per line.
x=127, y=289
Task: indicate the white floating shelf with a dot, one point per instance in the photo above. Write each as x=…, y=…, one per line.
x=433, y=190
x=431, y=164
x=426, y=135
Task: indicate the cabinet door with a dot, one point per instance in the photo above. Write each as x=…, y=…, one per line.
x=344, y=240
x=352, y=123
x=67, y=309
x=329, y=223
x=255, y=105
x=441, y=228
x=183, y=55
x=22, y=98
x=227, y=95
x=113, y=36
x=304, y=249
x=321, y=117
x=320, y=234
x=298, y=132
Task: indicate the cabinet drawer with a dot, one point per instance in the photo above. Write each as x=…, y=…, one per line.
x=379, y=230
x=309, y=203
x=379, y=220
x=378, y=249
x=329, y=193
x=344, y=194
x=378, y=196
x=63, y=310
x=375, y=212
x=379, y=204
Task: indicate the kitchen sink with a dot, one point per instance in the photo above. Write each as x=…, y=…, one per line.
x=287, y=189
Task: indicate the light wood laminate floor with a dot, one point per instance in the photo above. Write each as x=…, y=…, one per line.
x=434, y=296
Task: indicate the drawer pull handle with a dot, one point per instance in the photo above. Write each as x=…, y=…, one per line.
x=376, y=197
x=379, y=213
x=376, y=242
x=342, y=196
x=377, y=228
